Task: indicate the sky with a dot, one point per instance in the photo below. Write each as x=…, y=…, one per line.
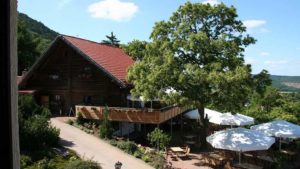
x=274, y=24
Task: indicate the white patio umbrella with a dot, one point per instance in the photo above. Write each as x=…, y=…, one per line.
x=232, y=119
x=279, y=128
x=193, y=114
x=240, y=140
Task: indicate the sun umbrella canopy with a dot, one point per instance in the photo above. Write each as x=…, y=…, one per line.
x=279, y=128
x=240, y=139
x=232, y=119
x=193, y=114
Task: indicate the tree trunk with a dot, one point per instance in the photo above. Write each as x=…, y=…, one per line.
x=203, y=127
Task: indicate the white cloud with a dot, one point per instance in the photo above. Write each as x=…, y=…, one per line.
x=264, y=54
x=253, y=23
x=250, y=60
x=211, y=2
x=62, y=3
x=113, y=9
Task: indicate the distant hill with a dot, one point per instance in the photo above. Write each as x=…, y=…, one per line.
x=38, y=30
x=286, y=83
x=36, y=27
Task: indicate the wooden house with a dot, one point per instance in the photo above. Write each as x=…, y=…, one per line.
x=87, y=76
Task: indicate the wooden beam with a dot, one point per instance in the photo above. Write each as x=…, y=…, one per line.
x=8, y=66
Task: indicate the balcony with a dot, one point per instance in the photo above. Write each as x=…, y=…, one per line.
x=134, y=115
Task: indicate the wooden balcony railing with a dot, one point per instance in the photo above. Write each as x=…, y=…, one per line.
x=149, y=116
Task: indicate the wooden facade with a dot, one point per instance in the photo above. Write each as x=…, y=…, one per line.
x=65, y=78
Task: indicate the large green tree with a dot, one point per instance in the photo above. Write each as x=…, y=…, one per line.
x=196, y=59
x=136, y=49
x=261, y=81
x=27, y=48
x=111, y=40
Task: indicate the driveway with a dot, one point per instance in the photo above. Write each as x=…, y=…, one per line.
x=91, y=147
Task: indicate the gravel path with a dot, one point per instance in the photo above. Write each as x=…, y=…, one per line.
x=90, y=147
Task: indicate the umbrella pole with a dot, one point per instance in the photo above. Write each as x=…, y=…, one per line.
x=239, y=157
x=279, y=143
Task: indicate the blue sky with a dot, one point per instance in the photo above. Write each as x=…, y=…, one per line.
x=275, y=24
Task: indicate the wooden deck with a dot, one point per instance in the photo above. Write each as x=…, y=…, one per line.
x=134, y=115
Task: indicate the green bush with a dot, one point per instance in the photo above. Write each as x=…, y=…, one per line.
x=36, y=133
x=138, y=153
x=80, y=120
x=128, y=146
x=79, y=164
x=105, y=129
x=157, y=161
x=113, y=142
x=146, y=158
x=25, y=161
x=158, y=138
x=70, y=121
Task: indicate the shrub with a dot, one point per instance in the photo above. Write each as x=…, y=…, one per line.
x=35, y=130
x=105, y=129
x=70, y=121
x=79, y=164
x=158, y=138
x=138, y=153
x=113, y=142
x=80, y=120
x=128, y=146
x=157, y=161
x=25, y=161
x=146, y=158
x=36, y=133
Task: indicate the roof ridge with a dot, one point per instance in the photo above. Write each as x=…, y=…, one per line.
x=99, y=43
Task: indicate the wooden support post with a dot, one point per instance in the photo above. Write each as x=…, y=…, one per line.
x=8, y=94
x=181, y=123
x=171, y=127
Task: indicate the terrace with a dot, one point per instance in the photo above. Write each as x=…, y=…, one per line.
x=133, y=115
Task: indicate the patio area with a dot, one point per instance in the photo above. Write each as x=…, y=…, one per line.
x=193, y=161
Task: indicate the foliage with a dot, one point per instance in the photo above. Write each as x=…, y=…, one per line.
x=34, y=128
x=111, y=40
x=146, y=158
x=79, y=164
x=261, y=81
x=105, y=128
x=25, y=161
x=128, y=146
x=27, y=49
x=51, y=159
x=136, y=49
x=157, y=161
x=70, y=121
x=37, y=27
x=80, y=120
x=138, y=153
x=33, y=38
x=158, y=138
x=274, y=105
x=280, y=83
x=197, y=54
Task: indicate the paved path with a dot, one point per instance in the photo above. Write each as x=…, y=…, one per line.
x=88, y=146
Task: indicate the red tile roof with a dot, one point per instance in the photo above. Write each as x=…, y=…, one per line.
x=114, y=60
